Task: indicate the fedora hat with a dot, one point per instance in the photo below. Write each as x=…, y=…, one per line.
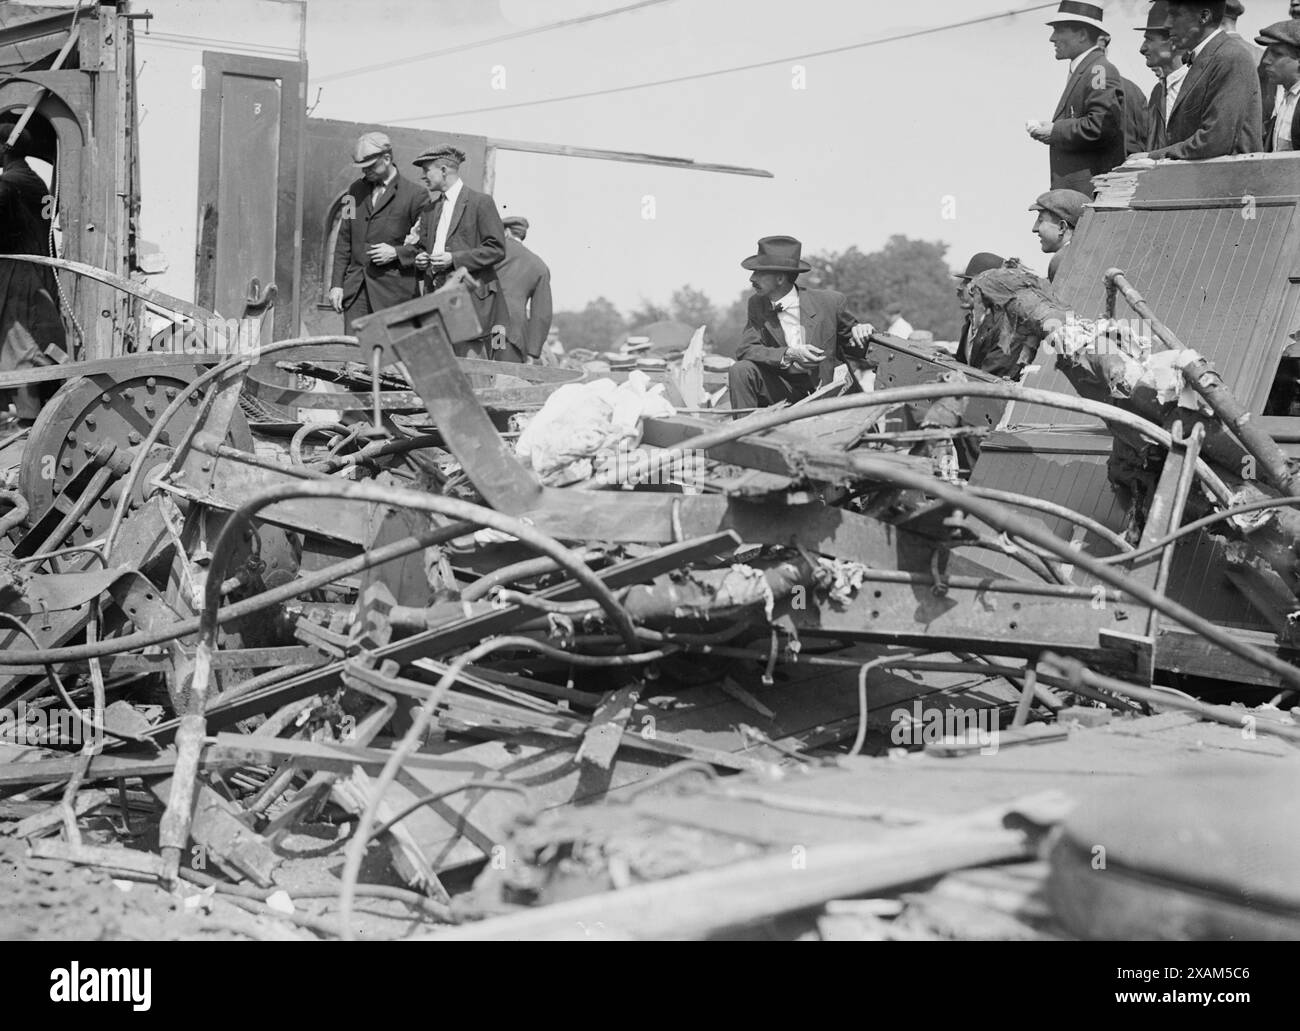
x=1156, y=18
x=777, y=254
x=1074, y=11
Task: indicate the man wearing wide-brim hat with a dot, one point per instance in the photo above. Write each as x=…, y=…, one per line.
x=1085, y=135
x=794, y=336
x=1218, y=108
x=463, y=230
x=378, y=212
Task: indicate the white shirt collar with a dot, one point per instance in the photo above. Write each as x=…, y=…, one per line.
x=1292, y=91
x=1205, y=42
x=1176, y=76
x=454, y=192
x=789, y=302
x=1079, y=60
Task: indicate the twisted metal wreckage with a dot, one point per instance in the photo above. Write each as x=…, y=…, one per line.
x=415, y=575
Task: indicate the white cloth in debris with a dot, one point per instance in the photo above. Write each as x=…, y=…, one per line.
x=580, y=421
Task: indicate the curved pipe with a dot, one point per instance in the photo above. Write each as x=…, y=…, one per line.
x=933, y=392
x=17, y=513
x=142, y=451
x=1008, y=522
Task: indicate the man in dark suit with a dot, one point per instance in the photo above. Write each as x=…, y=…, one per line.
x=1281, y=63
x=526, y=283
x=462, y=230
x=1137, y=124
x=380, y=209
x=1218, y=108
x=1086, y=133
x=795, y=336
x=30, y=323
x=1167, y=64
x=981, y=262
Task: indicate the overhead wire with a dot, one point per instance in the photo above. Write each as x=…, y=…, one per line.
x=714, y=73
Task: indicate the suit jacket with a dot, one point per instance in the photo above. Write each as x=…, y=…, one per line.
x=1218, y=107
x=827, y=324
x=1088, y=125
x=398, y=211
x=476, y=242
x=1270, y=124
x=1137, y=123
x=526, y=283
x=1157, y=131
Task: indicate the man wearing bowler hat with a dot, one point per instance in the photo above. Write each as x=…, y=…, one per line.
x=1085, y=136
x=981, y=262
x=794, y=335
x=463, y=230
x=1218, y=108
x=371, y=271
x=1166, y=62
x=1281, y=63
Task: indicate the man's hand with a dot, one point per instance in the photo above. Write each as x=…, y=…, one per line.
x=805, y=354
x=336, y=298
x=440, y=262
x=382, y=253
x=1041, y=131
x=861, y=331
x=422, y=261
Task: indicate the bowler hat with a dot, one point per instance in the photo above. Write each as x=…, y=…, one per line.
x=1066, y=205
x=446, y=153
x=1157, y=17
x=370, y=147
x=777, y=254
x=1287, y=32
x=1074, y=11
x=982, y=262
x=515, y=222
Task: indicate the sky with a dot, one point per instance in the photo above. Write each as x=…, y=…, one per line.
x=923, y=137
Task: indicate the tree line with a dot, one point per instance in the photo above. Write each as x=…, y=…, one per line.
x=911, y=273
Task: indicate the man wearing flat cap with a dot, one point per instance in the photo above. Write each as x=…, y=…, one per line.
x=1059, y=212
x=794, y=336
x=1218, y=107
x=526, y=283
x=371, y=271
x=1086, y=134
x=1281, y=63
x=463, y=230
x=996, y=362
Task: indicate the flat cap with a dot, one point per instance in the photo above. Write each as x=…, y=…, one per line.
x=1067, y=205
x=451, y=155
x=515, y=221
x=981, y=262
x=369, y=148
x=1287, y=32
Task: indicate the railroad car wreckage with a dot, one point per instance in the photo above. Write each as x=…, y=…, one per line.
x=801, y=671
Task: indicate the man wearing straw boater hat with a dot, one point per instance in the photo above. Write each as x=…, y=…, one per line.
x=795, y=335
x=1085, y=136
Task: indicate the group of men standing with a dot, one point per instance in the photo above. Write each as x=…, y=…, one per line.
x=397, y=238
x=1216, y=94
